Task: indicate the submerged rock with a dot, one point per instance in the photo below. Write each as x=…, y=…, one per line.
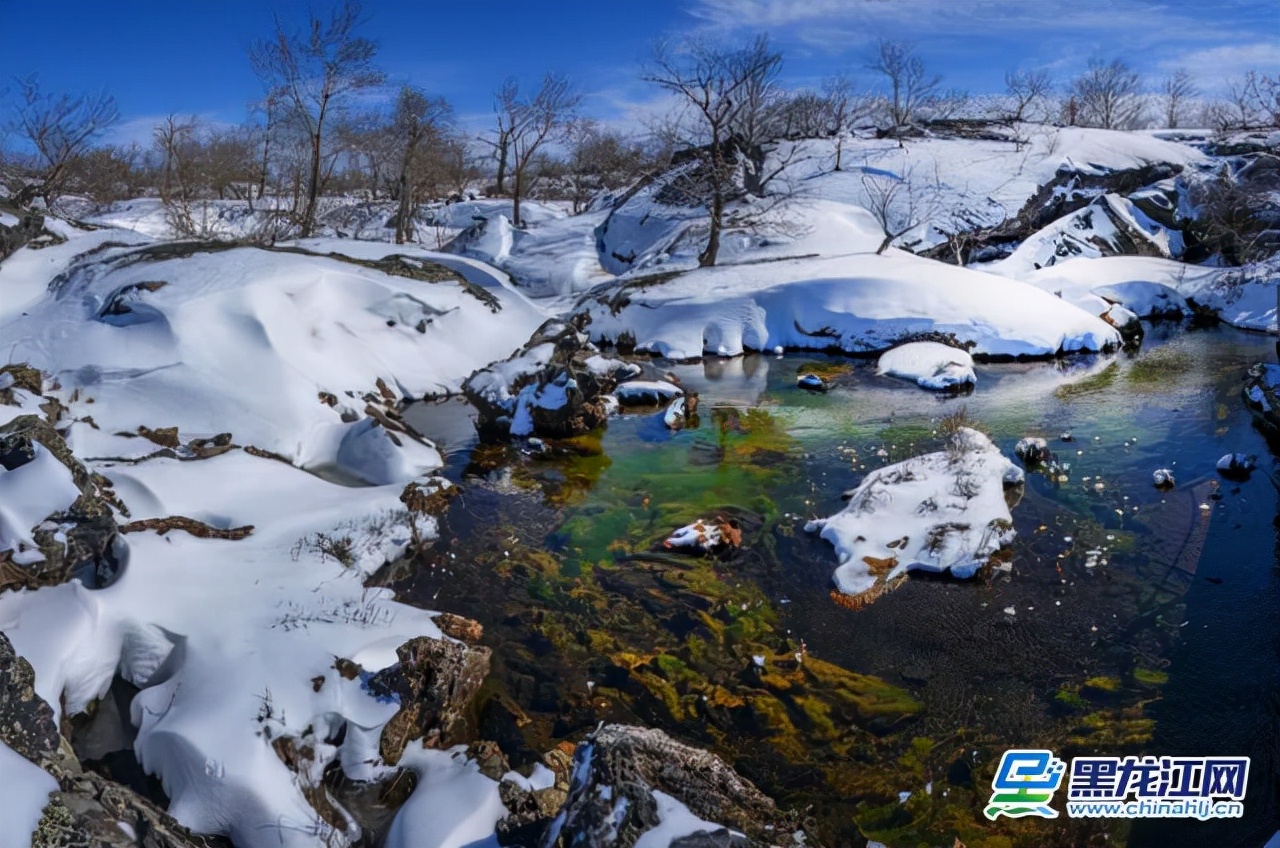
x=706, y=536
x=812, y=382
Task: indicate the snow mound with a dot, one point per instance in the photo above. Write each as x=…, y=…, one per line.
x=940, y=512
x=930, y=364
x=26, y=789
x=30, y=493
x=249, y=341
x=859, y=304
x=233, y=642
x=1243, y=297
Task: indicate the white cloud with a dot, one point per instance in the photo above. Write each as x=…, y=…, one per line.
x=1214, y=67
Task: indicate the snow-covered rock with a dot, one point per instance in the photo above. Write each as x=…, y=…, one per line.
x=646, y=392
x=705, y=536
x=1162, y=478
x=940, y=512
x=1032, y=450
x=930, y=364
x=1237, y=466
x=860, y=304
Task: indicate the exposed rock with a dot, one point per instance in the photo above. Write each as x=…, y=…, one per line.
x=611, y=800
x=29, y=230
x=1262, y=394
x=26, y=721
x=1237, y=466
x=76, y=542
x=88, y=810
x=435, y=681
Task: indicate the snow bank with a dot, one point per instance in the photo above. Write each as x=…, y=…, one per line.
x=1243, y=297
x=28, y=494
x=930, y=364
x=25, y=788
x=860, y=304
x=245, y=341
x=233, y=643
x=453, y=805
x=940, y=512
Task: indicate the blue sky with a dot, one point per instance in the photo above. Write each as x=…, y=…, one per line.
x=188, y=56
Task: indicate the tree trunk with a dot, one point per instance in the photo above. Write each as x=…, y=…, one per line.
x=402, y=215
x=502, y=164
x=884, y=244
x=313, y=187
x=708, y=256
x=515, y=197
x=839, y=152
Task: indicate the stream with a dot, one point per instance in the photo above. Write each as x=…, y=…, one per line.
x=1132, y=620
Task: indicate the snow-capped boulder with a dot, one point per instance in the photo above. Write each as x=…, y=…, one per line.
x=1162, y=478
x=646, y=392
x=546, y=389
x=941, y=512
x=636, y=787
x=1262, y=393
x=1237, y=466
x=706, y=536
x=860, y=303
x=1032, y=450
x=931, y=365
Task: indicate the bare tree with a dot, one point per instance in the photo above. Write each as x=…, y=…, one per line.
x=535, y=120
x=1026, y=88
x=59, y=128
x=600, y=159
x=420, y=125
x=910, y=85
x=1177, y=90
x=312, y=75
x=898, y=203
x=1108, y=95
x=711, y=82
x=506, y=111
x=1255, y=100
x=844, y=106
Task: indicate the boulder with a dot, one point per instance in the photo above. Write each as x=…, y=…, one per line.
x=628, y=780
x=552, y=387
x=435, y=682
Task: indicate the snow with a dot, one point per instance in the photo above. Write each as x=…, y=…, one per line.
x=940, y=512
x=646, y=392
x=453, y=805
x=25, y=788
x=555, y=257
x=244, y=340
x=28, y=494
x=1243, y=297
x=930, y=364
x=861, y=303
x=675, y=820
x=224, y=637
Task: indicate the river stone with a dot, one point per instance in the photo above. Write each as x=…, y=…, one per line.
x=611, y=802
x=435, y=680
x=554, y=361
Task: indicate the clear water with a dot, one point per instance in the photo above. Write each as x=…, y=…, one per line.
x=1167, y=648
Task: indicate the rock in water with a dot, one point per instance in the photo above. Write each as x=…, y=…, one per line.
x=942, y=512
x=1237, y=466
x=932, y=365
x=631, y=781
x=1032, y=450
x=812, y=382
x=1162, y=478
x=706, y=536
x=675, y=417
